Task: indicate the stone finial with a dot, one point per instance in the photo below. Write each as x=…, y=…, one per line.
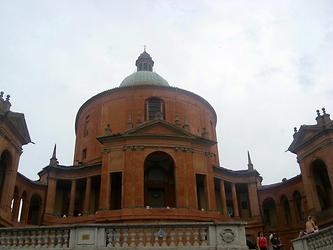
x=4, y=104
x=318, y=112
x=108, y=130
x=54, y=161
x=249, y=162
x=324, y=119
x=295, y=129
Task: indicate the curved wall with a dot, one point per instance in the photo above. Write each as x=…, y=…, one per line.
x=122, y=108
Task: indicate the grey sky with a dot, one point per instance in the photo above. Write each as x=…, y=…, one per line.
x=265, y=66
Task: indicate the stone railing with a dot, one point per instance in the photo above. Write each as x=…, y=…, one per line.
x=157, y=235
x=186, y=236
x=36, y=237
x=321, y=240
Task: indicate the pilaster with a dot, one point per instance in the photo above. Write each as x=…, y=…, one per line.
x=223, y=199
x=86, y=207
x=72, y=198
x=234, y=200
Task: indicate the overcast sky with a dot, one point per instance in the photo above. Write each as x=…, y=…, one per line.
x=265, y=66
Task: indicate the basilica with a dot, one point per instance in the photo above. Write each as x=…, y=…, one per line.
x=147, y=152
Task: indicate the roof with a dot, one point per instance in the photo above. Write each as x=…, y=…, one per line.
x=144, y=78
x=18, y=124
x=282, y=183
x=307, y=133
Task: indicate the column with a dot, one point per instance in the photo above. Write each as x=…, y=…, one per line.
x=234, y=200
x=138, y=163
x=253, y=198
x=210, y=184
x=223, y=199
x=25, y=211
x=181, y=180
x=51, y=194
x=104, y=197
x=72, y=198
x=16, y=208
x=86, y=204
x=191, y=182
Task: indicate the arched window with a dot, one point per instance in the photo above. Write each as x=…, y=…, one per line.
x=269, y=210
x=322, y=184
x=154, y=109
x=159, y=180
x=35, y=210
x=298, y=206
x=286, y=209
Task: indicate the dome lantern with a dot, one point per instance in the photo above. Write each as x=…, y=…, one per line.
x=144, y=74
x=144, y=62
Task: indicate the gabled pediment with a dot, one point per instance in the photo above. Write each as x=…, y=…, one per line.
x=305, y=135
x=18, y=124
x=157, y=129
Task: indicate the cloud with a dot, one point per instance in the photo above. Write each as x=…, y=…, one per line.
x=264, y=66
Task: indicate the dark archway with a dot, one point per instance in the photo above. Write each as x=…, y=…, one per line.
x=159, y=180
x=298, y=206
x=5, y=162
x=269, y=210
x=286, y=209
x=322, y=184
x=35, y=210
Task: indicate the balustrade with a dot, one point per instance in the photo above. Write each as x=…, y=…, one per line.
x=34, y=238
x=321, y=240
x=156, y=236
x=191, y=235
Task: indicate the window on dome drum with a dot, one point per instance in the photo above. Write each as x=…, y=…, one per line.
x=154, y=108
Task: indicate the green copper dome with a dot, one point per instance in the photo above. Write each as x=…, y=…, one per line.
x=144, y=78
x=144, y=74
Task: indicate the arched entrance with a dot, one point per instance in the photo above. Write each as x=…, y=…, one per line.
x=286, y=209
x=322, y=184
x=35, y=210
x=269, y=209
x=5, y=162
x=159, y=180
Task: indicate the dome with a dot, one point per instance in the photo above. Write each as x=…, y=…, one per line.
x=144, y=78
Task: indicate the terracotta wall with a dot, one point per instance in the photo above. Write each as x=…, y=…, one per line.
x=120, y=106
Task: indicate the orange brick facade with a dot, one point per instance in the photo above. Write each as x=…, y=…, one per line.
x=148, y=152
